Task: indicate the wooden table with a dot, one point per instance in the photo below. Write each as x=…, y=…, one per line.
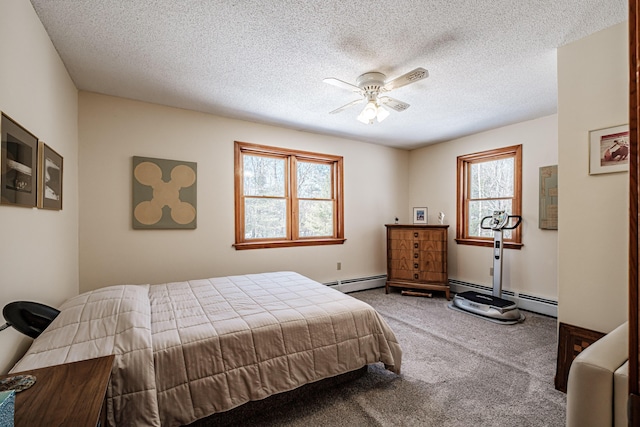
x=72, y=394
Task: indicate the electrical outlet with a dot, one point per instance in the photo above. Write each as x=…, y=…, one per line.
x=490, y=271
x=339, y=266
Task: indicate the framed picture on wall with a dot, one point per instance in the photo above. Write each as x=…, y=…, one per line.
x=420, y=215
x=50, y=178
x=18, y=164
x=164, y=194
x=609, y=150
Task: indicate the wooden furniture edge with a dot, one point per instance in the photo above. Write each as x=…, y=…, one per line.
x=571, y=341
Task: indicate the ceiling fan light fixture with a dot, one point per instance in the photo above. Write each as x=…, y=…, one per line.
x=363, y=119
x=370, y=110
x=383, y=113
x=369, y=113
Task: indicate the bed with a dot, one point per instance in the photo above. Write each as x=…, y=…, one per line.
x=187, y=350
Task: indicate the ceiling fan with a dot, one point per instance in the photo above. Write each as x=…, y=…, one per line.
x=369, y=86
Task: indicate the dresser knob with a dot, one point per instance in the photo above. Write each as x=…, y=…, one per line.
x=415, y=235
x=415, y=276
x=415, y=255
x=415, y=245
x=415, y=265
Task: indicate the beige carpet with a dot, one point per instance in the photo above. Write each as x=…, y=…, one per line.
x=457, y=370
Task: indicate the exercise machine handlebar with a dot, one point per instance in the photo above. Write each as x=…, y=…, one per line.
x=502, y=225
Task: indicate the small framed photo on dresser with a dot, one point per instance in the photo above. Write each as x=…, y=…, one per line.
x=420, y=215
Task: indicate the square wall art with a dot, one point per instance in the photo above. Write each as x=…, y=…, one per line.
x=164, y=194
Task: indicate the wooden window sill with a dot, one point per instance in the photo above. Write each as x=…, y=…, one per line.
x=288, y=243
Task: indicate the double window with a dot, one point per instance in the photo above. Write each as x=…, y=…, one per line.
x=287, y=197
x=488, y=181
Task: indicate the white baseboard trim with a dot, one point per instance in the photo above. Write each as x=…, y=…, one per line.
x=524, y=301
x=358, y=284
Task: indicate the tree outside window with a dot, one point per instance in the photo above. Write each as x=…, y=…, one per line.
x=487, y=181
x=287, y=197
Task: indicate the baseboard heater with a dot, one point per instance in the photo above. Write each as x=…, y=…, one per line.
x=526, y=302
x=359, y=284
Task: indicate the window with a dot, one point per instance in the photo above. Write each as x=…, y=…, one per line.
x=487, y=181
x=286, y=197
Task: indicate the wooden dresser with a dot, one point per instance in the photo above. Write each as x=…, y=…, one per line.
x=417, y=257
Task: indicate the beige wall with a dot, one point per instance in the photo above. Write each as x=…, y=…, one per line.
x=532, y=269
x=112, y=130
x=47, y=252
x=593, y=94
x=39, y=254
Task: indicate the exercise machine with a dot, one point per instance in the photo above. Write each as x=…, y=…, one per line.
x=492, y=307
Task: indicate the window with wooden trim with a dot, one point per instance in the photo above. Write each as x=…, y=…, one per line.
x=487, y=181
x=287, y=197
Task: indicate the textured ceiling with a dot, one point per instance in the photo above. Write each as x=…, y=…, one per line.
x=491, y=63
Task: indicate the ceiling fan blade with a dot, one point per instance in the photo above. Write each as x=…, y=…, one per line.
x=344, y=107
x=410, y=77
x=341, y=84
x=393, y=103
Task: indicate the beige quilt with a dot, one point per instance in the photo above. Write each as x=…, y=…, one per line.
x=190, y=349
